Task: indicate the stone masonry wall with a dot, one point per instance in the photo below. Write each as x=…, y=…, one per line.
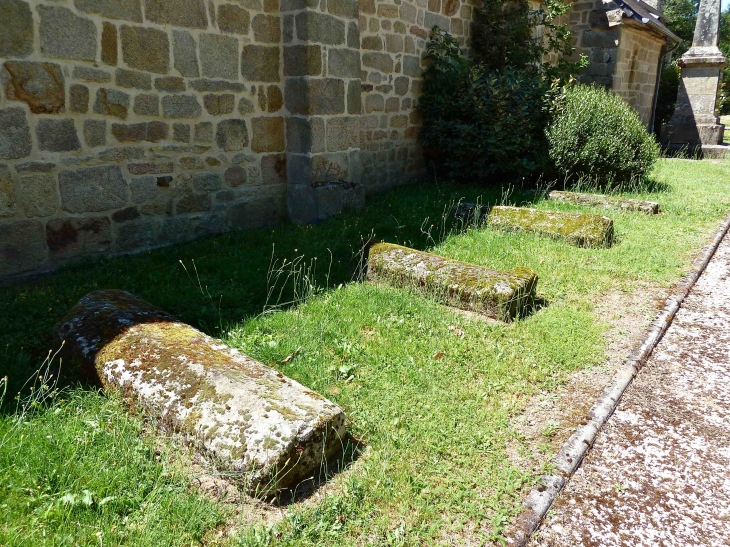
x=126, y=124
x=131, y=124
x=622, y=56
x=636, y=69
x=394, y=34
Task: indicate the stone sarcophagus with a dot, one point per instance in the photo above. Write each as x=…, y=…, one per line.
x=263, y=430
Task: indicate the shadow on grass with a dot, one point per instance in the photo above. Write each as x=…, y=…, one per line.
x=218, y=281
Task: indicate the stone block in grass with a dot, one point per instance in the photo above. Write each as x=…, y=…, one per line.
x=503, y=295
x=580, y=229
x=261, y=429
x=606, y=202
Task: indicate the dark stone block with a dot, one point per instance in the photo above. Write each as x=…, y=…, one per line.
x=235, y=176
x=170, y=84
x=260, y=63
x=129, y=10
x=232, y=135
x=233, y=19
x=133, y=79
x=22, y=246
x=181, y=106
x=315, y=97
x=135, y=236
x=219, y=105
x=219, y=56
x=109, y=36
x=95, y=133
x=194, y=203
x=16, y=29
x=125, y=215
x=217, y=85
x=15, y=139
x=57, y=135
x=303, y=60
x=146, y=49
x=177, y=13
x=273, y=169
x=318, y=27
x=79, y=99
x=92, y=189
x=207, y=182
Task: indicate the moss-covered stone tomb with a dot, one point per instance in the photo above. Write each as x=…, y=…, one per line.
x=504, y=295
x=606, y=202
x=263, y=430
x=579, y=229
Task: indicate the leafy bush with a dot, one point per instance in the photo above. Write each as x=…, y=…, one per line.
x=488, y=117
x=479, y=122
x=597, y=134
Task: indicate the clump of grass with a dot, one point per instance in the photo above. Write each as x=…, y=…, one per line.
x=76, y=469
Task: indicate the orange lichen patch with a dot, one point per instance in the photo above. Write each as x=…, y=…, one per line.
x=259, y=427
x=580, y=229
x=504, y=295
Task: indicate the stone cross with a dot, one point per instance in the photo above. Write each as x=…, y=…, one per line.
x=694, y=123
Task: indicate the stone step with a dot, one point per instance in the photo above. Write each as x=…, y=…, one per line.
x=579, y=229
x=503, y=295
x=607, y=202
x=261, y=429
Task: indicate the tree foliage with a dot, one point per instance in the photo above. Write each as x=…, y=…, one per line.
x=487, y=117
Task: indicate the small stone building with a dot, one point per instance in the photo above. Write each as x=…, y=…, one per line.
x=131, y=124
x=625, y=42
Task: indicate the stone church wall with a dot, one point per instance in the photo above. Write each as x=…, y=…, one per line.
x=131, y=124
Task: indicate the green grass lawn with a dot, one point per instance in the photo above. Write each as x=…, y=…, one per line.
x=429, y=393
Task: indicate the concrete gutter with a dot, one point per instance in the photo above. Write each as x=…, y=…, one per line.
x=571, y=454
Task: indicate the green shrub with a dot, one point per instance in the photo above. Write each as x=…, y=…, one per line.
x=479, y=122
x=597, y=134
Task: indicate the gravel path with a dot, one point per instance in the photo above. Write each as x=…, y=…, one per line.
x=659, y=472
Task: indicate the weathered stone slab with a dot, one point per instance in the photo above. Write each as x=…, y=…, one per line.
x=579, y=229
x=504, y=295
x=22, y=246
x=177, y=13
x=260, y=428
x=607, y=202
x=92, y=189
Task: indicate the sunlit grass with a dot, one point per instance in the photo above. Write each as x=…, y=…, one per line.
x=429, y=392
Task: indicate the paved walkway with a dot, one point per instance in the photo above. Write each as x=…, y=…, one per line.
x=659, y=472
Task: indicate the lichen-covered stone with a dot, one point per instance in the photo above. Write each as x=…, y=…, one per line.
x=181, y=106
x=268, y=134
x=260, y=63
x=133, y=79
x=579, y=229
x=504, y=295
x=233, y=19
x=606, y=202
x=40, y=85
x=259, y=427
x=95, y=133
x=112, y=102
